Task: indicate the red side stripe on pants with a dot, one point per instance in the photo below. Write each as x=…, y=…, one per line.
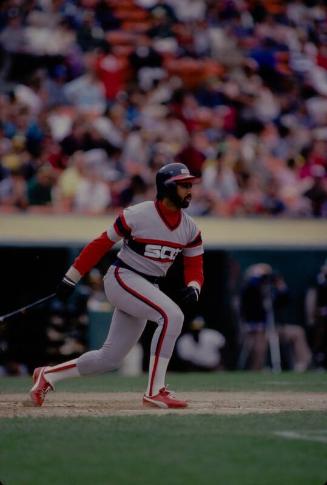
x=59, y=369
x=158, y=309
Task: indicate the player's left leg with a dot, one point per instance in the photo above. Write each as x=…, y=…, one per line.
x=139, y=297
x=125, y=331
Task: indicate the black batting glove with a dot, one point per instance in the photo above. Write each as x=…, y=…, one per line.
x=189, y=295
x=65, y=289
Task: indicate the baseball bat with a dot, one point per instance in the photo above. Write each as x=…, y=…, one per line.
x=24, y=309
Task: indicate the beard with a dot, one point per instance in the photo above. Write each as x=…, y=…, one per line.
x=181, y=203
x=186, y=201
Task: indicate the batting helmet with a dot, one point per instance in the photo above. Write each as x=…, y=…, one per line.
x=168, y=176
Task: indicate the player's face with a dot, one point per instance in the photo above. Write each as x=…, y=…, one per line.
x=184, y=193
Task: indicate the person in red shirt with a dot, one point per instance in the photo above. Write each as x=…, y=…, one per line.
x=111, y=72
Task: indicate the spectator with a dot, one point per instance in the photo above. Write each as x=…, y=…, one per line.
x=87, y=93
x=263, y=304
x=31, y=94
x=74, y=141
x=316, y=306
x=172, y=133
x=54, y=87
x=189, y=79
x=317, y=194
x=200, y=348
x=146, y=63
x=89, y=35
x=40, y=188
x=105, y=16
x=220, y=180
x=111, y=72
x=97, y=300
x=13, y=42
x=202, y=203
x=192, y=156
x=136, y=148
x=92, y=194
x=13, y=191
x=250, y=198
x=68, y=182
x=134, y=192
x=272, y=202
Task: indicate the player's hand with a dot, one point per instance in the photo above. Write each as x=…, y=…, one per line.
x=65, y=289
x=189, y=295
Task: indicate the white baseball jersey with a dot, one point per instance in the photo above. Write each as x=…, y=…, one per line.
x=150, y=244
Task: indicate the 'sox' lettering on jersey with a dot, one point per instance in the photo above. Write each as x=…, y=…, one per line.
x=156, y=251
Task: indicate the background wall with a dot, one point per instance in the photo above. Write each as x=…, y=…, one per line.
x=33, y=262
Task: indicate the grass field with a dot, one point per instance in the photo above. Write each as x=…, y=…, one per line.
x=252, y=449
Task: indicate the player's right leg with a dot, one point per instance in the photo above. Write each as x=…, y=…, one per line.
x=42, y=382
x=124, y=332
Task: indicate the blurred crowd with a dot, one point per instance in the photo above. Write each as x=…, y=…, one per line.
x=96, y=95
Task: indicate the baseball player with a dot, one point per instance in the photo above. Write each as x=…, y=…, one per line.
x=153, y=233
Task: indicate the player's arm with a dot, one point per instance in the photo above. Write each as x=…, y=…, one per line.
x=193, y=269
x=91, y=255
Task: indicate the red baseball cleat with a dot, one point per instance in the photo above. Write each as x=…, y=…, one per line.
x=41, y=386
x=164, y=399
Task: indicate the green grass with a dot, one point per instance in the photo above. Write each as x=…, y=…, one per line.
x=169, y=449
x=163, y=450
x=218, y=381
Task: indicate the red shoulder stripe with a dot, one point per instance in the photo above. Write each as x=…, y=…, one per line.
x=121, y=227
x=123, y=220
x=196, y=242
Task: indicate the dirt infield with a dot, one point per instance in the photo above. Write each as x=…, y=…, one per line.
x=130, y=404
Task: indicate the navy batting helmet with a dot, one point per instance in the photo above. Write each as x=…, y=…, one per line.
x=169, y=175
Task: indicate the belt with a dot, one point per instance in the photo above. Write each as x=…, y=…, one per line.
x=152, y=279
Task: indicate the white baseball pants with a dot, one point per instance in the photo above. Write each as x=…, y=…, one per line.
x=136, y=300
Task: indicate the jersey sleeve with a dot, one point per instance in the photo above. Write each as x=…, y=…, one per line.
x=90, y=256
x=193, y=271
x=193, y=259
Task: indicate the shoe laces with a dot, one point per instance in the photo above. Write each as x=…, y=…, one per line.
x=45, y=389
x=168, y=392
